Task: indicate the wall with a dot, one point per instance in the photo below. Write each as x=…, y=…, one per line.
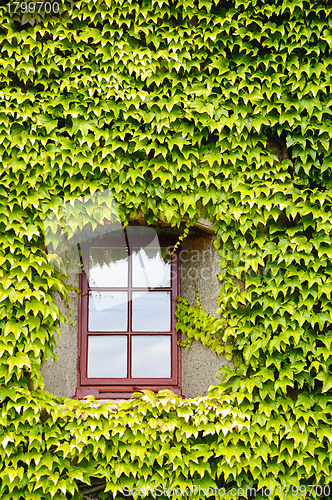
x=61, y=378
x=199, y=265
x=199, y=268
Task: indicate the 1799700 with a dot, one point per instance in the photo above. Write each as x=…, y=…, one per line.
x=33, y=7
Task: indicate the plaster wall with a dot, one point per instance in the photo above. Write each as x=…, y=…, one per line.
x=199, y=267
x=61, y=378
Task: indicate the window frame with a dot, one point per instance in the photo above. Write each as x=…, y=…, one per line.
x=124, y=388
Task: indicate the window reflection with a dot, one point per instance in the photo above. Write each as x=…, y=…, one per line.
x=108, y=311
x=122, y=307
x=108, y=267
x=107, y=356
x=151, y=311
x=151, y=356
x=151, y=267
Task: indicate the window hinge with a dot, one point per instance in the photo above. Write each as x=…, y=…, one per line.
x=79, y=364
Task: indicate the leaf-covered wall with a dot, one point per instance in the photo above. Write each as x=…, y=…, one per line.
x=181, y=108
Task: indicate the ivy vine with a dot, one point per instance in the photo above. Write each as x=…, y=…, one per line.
x=182, y=108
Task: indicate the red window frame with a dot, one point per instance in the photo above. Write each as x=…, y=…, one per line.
x=121, y=387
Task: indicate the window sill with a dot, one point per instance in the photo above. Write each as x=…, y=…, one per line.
x=120, y=392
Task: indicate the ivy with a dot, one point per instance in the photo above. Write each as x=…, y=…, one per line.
x=181, y=109
x=199, y=325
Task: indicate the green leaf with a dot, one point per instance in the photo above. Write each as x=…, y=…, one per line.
x=49, y=123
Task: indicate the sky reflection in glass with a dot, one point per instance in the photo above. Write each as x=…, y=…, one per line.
x=151, y=311
x=107, y=356
x=108, y=311
x=108, y=267
x=151, y=356
x=151, y=267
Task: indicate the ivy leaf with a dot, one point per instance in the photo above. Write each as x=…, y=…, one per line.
x=83, y=126
x=326, y=378
x=18, y=361
x=49, y=123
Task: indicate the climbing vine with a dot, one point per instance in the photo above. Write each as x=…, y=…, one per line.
x=181, y=108
x=201, y=326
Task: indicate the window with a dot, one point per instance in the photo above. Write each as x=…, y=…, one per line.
x=127, y=337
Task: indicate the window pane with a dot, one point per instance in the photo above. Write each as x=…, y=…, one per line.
x=151, y=356
x=107, y=357
x=151, y=267
x=108, y=311
x=151, y=311
x=108, y=267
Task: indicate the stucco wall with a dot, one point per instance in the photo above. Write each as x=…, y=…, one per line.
x=199, y=267
x=61, y=378
x=199, y=264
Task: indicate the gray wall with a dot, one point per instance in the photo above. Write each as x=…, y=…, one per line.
x=61, y=378
x=199, y=264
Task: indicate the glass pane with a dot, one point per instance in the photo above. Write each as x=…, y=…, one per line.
x=108, y=311
x=151, y=267
x=107, y=357
x=151, y=311
x=151, y=356
x=108, y=267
